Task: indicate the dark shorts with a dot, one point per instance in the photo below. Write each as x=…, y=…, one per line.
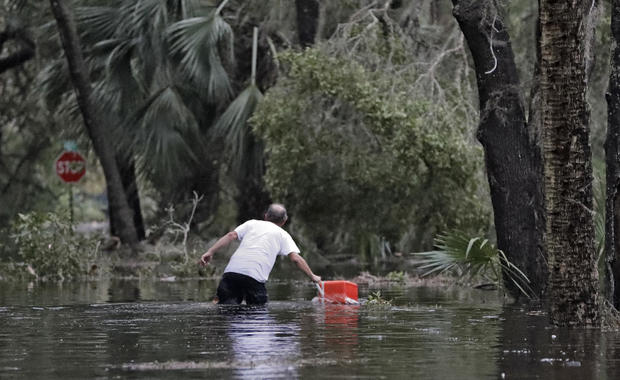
x=235, y=287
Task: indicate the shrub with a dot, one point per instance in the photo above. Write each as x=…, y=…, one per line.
x=48, y=247
x=353, y=157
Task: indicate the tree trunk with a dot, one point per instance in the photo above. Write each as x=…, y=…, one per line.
x=612, y=159
x=512, y=158
x=307, y=21
x=128, y=177
x=569, y=227
x=105, y=151
x=252, y=201
x=253, y=198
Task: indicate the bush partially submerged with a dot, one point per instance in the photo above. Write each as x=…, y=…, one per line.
x=47, y=247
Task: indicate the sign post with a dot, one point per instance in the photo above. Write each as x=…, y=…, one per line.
x=70, y=167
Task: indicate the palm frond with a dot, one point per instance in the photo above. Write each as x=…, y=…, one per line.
x=233, y=127
x=458, y=253
x=165, y=129
x=98, y=23
x=196, y=41
x=55, y=81
x=436, y=262
x=516, y=276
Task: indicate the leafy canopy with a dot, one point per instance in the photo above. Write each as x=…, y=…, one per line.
x=352, y=153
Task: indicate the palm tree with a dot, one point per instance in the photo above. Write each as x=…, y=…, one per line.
x=92, y=122
x=245, y=150
x=160, y=79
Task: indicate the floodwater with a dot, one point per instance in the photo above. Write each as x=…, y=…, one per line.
x=159, y=330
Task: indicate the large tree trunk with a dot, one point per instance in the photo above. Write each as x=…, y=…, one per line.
x=253, y=197
x=127, y=169
x=307, y=21
x=612, y=159
x=512, y=157
x=252, y=200
x=104, y=150
x=569, y=227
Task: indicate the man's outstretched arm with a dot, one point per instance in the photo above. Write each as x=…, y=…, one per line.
x=303, y=266
x=221, y=242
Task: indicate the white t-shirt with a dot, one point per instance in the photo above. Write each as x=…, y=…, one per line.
x=261, y=243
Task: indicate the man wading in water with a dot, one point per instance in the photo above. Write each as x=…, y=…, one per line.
x=249, y=267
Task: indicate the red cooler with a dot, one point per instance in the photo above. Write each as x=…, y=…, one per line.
x=344, y=292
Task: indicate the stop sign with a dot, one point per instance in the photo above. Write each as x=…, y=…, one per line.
x=70, y=166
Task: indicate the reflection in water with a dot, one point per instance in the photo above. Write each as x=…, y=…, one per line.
x=341, y=328
x=162, y=330
x=260, y=344
x=530, y=345
x=124, y=291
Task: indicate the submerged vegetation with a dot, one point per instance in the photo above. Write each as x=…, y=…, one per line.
x=46, y=247
x=377, y=299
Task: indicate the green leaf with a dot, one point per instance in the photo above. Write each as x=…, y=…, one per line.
x=471, y=257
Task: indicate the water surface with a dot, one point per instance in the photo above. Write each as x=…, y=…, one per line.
x=156, y=329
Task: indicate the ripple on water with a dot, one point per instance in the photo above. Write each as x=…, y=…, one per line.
x=444, y=338
x=277, y=364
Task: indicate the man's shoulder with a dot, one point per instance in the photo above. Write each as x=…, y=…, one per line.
x=262, y=224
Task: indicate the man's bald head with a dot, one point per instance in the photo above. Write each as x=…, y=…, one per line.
x=276, y=213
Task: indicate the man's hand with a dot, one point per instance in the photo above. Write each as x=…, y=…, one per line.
x=206, y=257
x=316, y=279
x=222, y=242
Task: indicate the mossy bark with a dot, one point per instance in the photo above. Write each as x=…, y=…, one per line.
x=612, y=160
x=569, y=228
x=512, y=153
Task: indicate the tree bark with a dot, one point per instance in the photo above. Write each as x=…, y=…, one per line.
x=252, y=201
x=307, y=21
x=128, y=177
x=117, y=200
x=253, y=198
x=612, y=160
x=512, y=157
x=569, y=227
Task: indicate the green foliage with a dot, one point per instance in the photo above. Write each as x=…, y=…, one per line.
x=376, y=299
x=396, y=276
x=246, y=157
x=48, y=247
x=345, y=144
x=159, y=76
x=459, y=254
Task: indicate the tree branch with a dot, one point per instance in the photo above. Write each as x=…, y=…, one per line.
x=26, y=52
